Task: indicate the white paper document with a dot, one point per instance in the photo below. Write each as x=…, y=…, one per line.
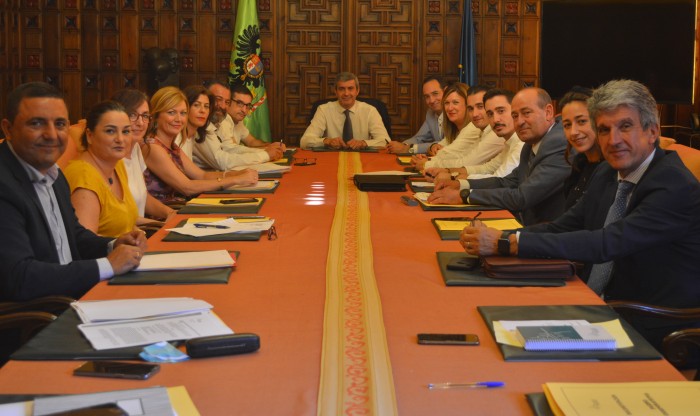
x=119, y=334
x=265, y=167
x=388, y=172
x=260, y=186
x=505, y=330
x=229, y=225
x=423, y=184
x=122, y=309
x=186, y=260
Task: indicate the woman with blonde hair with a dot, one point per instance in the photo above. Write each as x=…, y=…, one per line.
x=171, y=175
x=98, y=180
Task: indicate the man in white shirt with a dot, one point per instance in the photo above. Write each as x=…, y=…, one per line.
x=223, y=148
x=345, y=123
x=498, y=110
x=431, y=130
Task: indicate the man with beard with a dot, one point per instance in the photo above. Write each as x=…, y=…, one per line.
x=228, y=143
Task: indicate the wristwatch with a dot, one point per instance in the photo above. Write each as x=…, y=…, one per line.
x=504, y=244
x=464, y=194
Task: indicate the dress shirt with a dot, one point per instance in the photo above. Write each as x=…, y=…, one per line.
x=501, y=165
x=219, y=153
x=472, y=146
x=328, y=122
x=137, y=184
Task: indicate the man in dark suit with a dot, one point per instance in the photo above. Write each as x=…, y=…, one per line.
x=43, y=249
x=652, y=242
x=533, y=190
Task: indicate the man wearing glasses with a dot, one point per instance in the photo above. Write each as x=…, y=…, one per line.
x=229, y=143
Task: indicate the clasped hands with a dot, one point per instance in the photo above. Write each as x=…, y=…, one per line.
x=338, y=143
x=128, y=251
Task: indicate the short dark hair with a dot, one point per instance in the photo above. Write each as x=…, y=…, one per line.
x=95, y=114
x=477, y=89
x=130, y=98
x=495, y=92
x=239, y=88
x=29, y=90
x=211, y=82
x=440, y=80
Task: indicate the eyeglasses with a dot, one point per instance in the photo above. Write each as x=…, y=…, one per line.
x=135, y=116
x=272, y=233
x=240, y=103
x=219, y=99
x=307, y=161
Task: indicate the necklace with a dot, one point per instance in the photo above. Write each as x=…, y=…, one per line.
x=101, y=170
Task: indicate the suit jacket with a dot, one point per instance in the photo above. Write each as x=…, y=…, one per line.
x=656, y=246
x=29, y=265
x=534, y=190
x=428, y=133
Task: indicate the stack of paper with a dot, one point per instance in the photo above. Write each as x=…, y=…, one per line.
x=260, y=186
x=202, y=227
x=265, y=167
x=186, y=260
x=644, y=398
x=506, y=331
x=131, y=322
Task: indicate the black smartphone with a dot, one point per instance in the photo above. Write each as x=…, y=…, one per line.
x=238, y=201
x=463, y=263
x=106, y=409
x=448, y=339
x=116, y=369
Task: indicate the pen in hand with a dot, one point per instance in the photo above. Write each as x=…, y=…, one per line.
x=474, y=385
x=474, y=218
x=201, y=225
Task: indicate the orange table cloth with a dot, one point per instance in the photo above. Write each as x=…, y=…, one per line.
x=279, y=290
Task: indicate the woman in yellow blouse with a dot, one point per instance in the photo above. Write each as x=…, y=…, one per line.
x=98, y=179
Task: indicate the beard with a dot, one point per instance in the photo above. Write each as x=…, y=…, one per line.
x=218, y=116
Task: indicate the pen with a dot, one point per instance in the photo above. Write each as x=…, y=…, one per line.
x=201, y=225
x=475, y=217
x=428, y=175
x=474, y=385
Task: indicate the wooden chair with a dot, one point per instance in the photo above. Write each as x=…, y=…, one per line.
x=678, y=346
x=20, y=321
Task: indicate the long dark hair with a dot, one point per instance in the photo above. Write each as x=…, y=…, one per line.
x=192, y=93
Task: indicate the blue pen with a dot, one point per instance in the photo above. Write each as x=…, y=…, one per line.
x=200, y=225
x=474, y=385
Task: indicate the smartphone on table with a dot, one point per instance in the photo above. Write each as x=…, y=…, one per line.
x=448, y=339
x=117, y=369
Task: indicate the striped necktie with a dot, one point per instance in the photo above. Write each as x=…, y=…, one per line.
x=347, y=127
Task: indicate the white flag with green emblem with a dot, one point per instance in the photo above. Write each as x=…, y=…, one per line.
x=247, y=68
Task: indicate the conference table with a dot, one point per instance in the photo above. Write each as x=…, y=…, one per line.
x=337, y=300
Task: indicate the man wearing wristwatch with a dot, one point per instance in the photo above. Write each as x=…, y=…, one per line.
x=431, y=130
x=637, y=229
x=533, y=191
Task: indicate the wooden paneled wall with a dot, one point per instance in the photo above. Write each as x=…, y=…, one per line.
x=91, y=48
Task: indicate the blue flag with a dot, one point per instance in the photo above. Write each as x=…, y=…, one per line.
x=467, y=48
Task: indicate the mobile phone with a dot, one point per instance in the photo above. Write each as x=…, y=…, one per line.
x=238, y=201
x=116, y=369
x=105, y=409
x=463, y=263
x=448, y=339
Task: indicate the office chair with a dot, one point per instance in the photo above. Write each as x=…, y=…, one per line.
x=678, y=347
x=689, y=136
x=378, y=104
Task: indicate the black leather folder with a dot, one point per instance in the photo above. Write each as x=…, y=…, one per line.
x=62, y=340
x=641, y=350
x=240, y=236
x=380, y=183
x=425, y=207
x=175, y=277
x=477, y=277
x=222, y=209
x=539, y=404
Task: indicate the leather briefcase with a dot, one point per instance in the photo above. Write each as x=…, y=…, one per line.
x=500, y=267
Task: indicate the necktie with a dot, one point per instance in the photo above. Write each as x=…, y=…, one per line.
x=600, y=273
x=347, y=127
x=529, y=161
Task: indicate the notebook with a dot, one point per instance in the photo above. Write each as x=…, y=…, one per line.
x=565, y=338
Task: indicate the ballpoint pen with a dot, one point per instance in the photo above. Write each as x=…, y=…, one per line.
x=203, y=225
x=473, y=385
x=475, y=217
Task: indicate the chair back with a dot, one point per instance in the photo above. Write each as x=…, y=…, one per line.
x=689, y=156
x=378, y=104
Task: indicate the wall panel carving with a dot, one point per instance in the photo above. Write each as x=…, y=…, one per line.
x=90, y=48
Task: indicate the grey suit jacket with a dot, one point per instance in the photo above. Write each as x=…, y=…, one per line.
x=533, y=192
x=428, y=133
